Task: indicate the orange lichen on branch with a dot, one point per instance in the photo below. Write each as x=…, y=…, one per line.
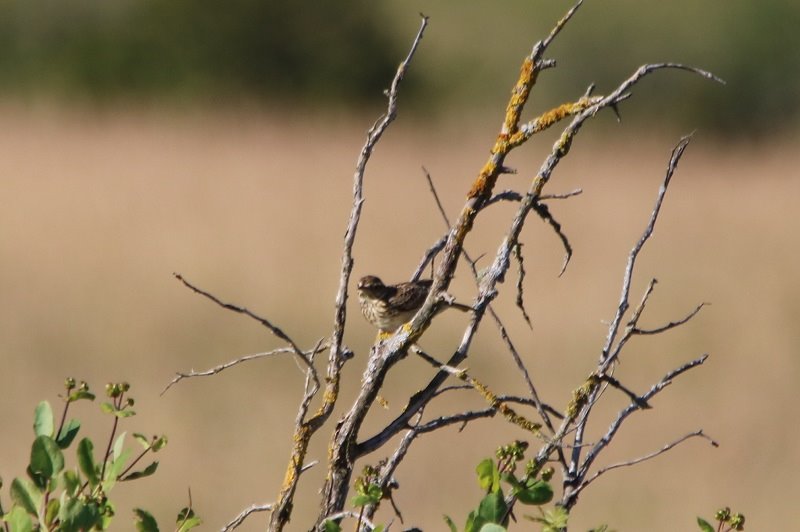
x=485, y=181
x=519, y=95
x=550, y=118
x=509, y=413
x=301, y=438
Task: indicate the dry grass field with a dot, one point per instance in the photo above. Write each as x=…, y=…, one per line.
x=99, y=208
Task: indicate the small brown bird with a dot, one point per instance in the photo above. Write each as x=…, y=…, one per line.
x=387, y=307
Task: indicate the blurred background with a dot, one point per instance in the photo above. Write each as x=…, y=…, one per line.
x=218, y=140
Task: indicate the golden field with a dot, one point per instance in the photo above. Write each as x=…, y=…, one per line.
x=100, y=208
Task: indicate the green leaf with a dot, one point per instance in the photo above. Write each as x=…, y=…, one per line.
x=72, y=482
x=114, y=467
x=159, y=444
x=119, y=445
x=77, y=515
x=46, y=460
x=372, y=496
x=141, y=438
x=332, y=526
x=378, y=528
x=450, y=523
x=492, y=527
x=19, y=520
x=146, y=472
x=552, y=520
x=704, y=525
x=68, y=433
x=43, y=420
x=77, y=395
x=108, y=511
x=124, y=413
x=493, y=508
x=360, y=500
x=26, y=495
x=474, y=522
x=108, y=408
x=488, y=475
x=86, y=461
x=144, y=521
x=537, y=493
x=511, y=479
x=51, y=512
x=187, y=520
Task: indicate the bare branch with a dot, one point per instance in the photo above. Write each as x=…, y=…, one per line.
x=544, y=212
x=513, y=195
x=373, y=136
x=239, y=519
x=541, y=46
x=607, y=357
x=520, y=279
x=336, y=484
x=500, y=326
x=263, y=321
x=241, y=310
x=614, y=383
x=667, y=447
x=222, y=367
x=439, y=205
x=506, y=195
x=345, y=449
x=428, y=257
x=570, y=496
x=671, y=324
x=565, y=195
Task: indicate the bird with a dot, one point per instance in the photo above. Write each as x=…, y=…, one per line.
x=387, y=307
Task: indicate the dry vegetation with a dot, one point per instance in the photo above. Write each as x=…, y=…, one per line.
x=100, y=209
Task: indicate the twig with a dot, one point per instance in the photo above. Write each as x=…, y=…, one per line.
x=222, y=367
x=614, y=383
x=520, y=279
x=667, y=447
x=277, y=331
x=607, y=357
x=241, y=310
x=565, y=195
x=239, y=519
x=435, y=195
x=513, y=195
x=581, y=471
x=428, y=257
x=544, y=213
x=671, y=324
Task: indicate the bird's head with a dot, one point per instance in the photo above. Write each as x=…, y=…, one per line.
x=371, y=286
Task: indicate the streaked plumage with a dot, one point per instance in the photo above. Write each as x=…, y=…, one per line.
x=387, y=307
